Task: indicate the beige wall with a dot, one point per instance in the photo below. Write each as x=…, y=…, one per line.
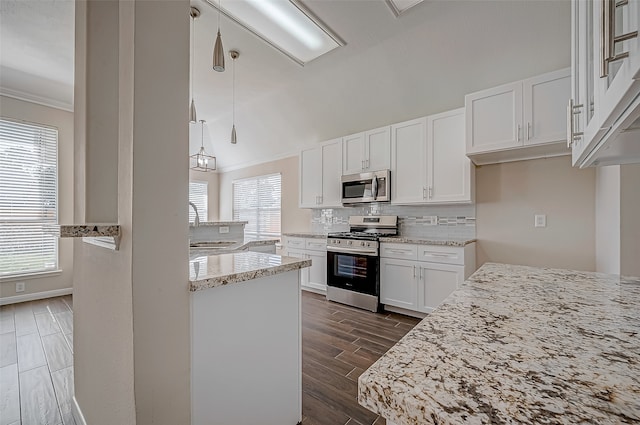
x=63, y=121
x=630, y=220
x=508, y=195
x=131, y=307
x=213, y=197
x=607, y=209
x=294, y=219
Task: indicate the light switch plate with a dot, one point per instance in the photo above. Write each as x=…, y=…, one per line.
x=540, y=220
x=20, y=286
x=430, y=220
x=223, y=229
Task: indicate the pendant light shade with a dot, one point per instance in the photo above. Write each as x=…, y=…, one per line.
x=218, y=50
x=202, y=161
x=192, y=109
x=234, y=55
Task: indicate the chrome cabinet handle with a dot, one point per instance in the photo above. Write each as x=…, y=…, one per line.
x=430, y=192
x=424, y=193
x=366, y=163
x=604, y=41
x=420, y=272
x=572, y=135
x=362, y=164
x=528, y=130
x=518, y=133
x=414, y=271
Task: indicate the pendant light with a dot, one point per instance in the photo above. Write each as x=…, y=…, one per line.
x=234, y=55
x=201, y=160
x=218, y=50
x=192, y=109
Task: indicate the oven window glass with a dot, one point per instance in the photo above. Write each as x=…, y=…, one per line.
x=350, y=267
x=359, y=189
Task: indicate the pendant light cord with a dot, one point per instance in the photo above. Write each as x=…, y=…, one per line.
x=234, y=93
x=219, y=11
x=193, y=48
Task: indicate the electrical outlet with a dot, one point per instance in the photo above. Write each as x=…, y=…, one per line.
x=20, y=286
x=430, y=220
x=540, y=220
x=223, y=229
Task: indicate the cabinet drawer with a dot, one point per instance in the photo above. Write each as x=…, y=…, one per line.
x=441, y=254
x=401, y=251
x=298, y=243
x=316, y=244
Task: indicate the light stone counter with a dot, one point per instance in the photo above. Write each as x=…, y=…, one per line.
x=88, y=230
x=517, y=345
x=223, y=269
x=220, y=223
x=427, y=241
x=306, y=235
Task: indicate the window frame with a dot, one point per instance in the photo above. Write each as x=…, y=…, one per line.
x=206, y=216
x=256, y=235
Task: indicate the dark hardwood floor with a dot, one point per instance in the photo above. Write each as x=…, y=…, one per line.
x=338, y=343
x=36, y=362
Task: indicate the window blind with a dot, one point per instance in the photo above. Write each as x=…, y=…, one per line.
x=258, y=201
x=28, y=198
x=198, y=195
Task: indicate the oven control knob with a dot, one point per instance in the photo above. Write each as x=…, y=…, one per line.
x=368, y=243
x=362, y=243
x=337, y=242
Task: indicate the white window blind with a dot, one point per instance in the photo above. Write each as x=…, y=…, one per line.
x=198, y=195
x=28, y=198
x=257, y=200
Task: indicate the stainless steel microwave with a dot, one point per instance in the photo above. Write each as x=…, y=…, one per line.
x=366, y=187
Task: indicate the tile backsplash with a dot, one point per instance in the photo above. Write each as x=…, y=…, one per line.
x=435, y=221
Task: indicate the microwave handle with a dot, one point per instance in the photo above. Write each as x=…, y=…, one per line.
x=374, y=187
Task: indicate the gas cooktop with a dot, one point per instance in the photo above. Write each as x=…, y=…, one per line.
x=365, y=236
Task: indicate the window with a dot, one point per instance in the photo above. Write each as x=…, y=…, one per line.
x=198, y=195
x=28, y=198
x=257, y=200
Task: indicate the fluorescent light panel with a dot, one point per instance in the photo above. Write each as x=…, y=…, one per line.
x=285, y=24
x=398, y=7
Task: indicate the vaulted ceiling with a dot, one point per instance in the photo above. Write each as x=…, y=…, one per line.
x=391, y=69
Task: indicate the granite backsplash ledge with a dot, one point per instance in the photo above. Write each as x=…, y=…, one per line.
x=452, y=221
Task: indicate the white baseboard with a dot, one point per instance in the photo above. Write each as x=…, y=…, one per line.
x=35, y=296
x=77, y=413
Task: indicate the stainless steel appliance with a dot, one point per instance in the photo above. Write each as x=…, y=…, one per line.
x=353, y=261
x=366, y=187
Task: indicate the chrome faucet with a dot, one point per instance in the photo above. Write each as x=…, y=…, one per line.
x=197, y=220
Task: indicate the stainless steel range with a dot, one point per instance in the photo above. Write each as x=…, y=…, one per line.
x=353, y=261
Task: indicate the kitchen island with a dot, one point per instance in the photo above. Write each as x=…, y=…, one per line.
x=245, y=339
x=517, y=344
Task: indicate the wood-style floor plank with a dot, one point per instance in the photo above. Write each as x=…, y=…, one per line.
x=47, y=325
x=57, y=351
x=9, y=395
x=30, y=352
x=330, y=383
x=63, y=386
x=38, y=403
x=8, y=353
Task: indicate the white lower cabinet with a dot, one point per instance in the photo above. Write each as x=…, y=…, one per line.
x=313, y=278
x=420, y=277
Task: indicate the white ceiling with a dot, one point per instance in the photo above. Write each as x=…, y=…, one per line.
x=391, y=69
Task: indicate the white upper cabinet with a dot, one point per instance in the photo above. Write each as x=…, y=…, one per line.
x=409, y=162
x=521, y=120
x=353, y=154
x=367, y=151
x=545, y=104
x=494, y=118
x=603, y=119
x=320, y=172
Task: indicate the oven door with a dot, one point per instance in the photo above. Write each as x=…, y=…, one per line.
x=354, y=272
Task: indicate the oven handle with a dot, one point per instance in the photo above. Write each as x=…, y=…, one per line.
x=351, y=251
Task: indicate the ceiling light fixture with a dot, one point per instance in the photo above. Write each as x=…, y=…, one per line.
x=192, y=110
x=218, y=50
x=202, y=161
x=234, y=55
x=399, y=7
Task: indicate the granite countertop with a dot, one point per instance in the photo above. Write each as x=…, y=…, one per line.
x=519, y=345
x=427, y=241
x=224, y=269
x=89, y=230
x=306, y=235
x=234, y=247
x=219, y=223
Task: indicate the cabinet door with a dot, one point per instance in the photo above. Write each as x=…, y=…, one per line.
x=310, y=177
x=398, y=283
x=353, y=154
x=317, y=271
x=304, y=273
x=449, y=178
x=494, y=118
x=377, y=147
x=331, y=172
x=620, y=86
x=409, y=162
x=545, y=107
x=437, y=282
